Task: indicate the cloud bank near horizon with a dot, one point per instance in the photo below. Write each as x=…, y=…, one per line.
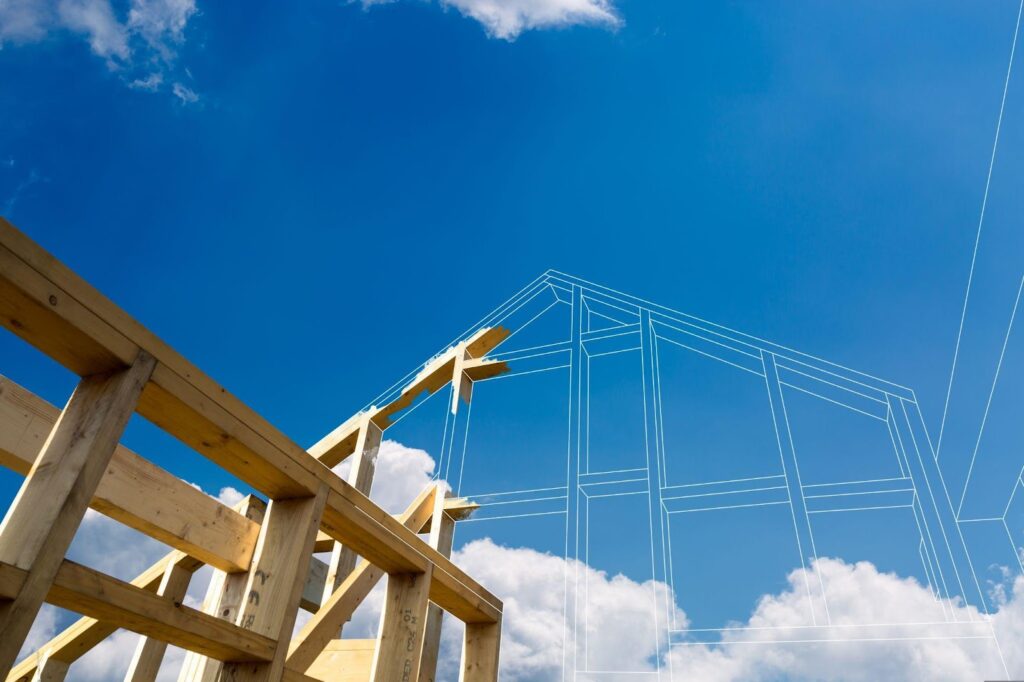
x=618, y=634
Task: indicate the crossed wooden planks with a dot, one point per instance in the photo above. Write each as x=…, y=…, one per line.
x=125, y=369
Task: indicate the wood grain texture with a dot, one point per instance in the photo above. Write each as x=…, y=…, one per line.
x=133, y=491
x=49, y=507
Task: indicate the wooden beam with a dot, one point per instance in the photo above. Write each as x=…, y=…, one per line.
x=149, y=652
x=353, y=519
x=91, y=593
x=134, y=491
x=456, y=507
x=227, y=590
x=484, y=368
x=43, y=313
x=42, y=521
x=400, y=637
x=52, y=308
x=66, y=648
x=442, y=533
x=275, y=581
x=50, y=669
x=224, y=598
x=436, y=374
x=313, y=587
x=325, y=623
x=343, y=559
x=85, y=633
x=336, y=611
x=91, y=332
x=344, y=660
x=480, y=652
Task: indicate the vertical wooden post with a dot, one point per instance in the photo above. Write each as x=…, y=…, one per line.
x=49, y=507
x=400, y=640
x=224, y=597
x=480, y=652
x=149, y=652
x=442, y=532
x=364, y=460
x=50, y=669
x=275, y=581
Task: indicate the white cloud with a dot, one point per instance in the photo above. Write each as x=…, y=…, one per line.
x=111, y=547
x=619, y=633
x=107, y=37
x=161, y=22
x=401, y=474
x=620, y=636
x=531, y=585
x=24, y=20
x=184, y=93
x=508, y=18
x=230, y=496
x=150, y=83
x=857, y=594
x=142, y=39
x=21, y=189
x=43, y=629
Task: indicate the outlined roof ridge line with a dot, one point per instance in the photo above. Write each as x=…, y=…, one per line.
x=772, y=346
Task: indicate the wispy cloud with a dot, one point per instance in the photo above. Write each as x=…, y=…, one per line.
x=507, y=19
x=95, y=20
x=20, y=190
x=184, y=93
x=150, y=83
x=140, y=44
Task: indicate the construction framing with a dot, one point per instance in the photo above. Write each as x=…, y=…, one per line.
x=602, y=323
x=262, y=550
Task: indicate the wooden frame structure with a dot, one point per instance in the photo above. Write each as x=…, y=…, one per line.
x=262, y=552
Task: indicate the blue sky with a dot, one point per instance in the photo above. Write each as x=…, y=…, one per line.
x=309, y=199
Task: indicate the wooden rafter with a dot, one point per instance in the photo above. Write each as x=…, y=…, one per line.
x=133, y=490
x=126, y=368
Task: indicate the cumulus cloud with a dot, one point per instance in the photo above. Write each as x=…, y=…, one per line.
x=857, y=594
x=506, y=19
x=145, y=39
x=617, y=631
x=401, y=474
x=617, y=634
x=618, y=627
x=43, y=629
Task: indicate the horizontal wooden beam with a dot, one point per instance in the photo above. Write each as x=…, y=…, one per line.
x=133, y=490
x=341, y=442
x=458, y=508
x=67, y=647
x=344, y=660
x=49, y=306
x=85, y=633
x=479, y=369
x=82, y=635
x=124, y=605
